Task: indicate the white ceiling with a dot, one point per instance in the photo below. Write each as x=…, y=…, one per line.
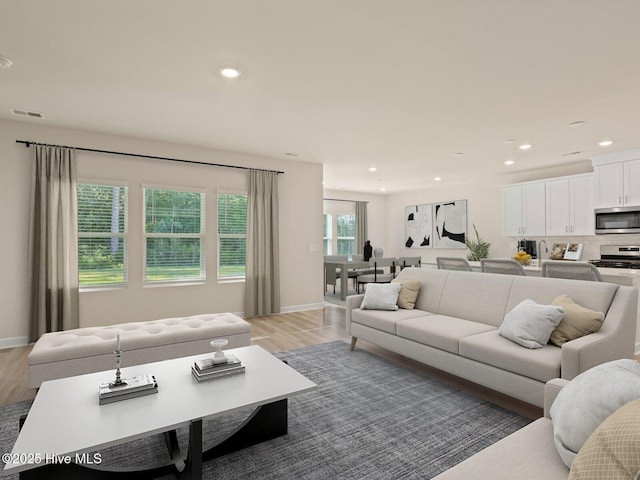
x=396, y=84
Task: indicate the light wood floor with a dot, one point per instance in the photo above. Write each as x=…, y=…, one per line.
x=275, y=333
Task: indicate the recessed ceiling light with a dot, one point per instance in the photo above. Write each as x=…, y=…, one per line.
x=509, y=140
x=437, y=179
x=571, y=153
x=372, y=169
x=457, y=154
x=524, y=146
x=382, y=189
x=605, y=143
x=509, y=162
x=576, y=123
x=230, y=72
x=290, y=154
x=5, y=62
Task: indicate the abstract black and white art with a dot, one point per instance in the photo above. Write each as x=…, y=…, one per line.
x=419, y=226
x=450, y=229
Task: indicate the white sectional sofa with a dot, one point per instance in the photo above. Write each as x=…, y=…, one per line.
x=90, y=349
x=454, y=328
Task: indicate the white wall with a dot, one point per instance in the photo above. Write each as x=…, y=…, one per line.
x=300, y=190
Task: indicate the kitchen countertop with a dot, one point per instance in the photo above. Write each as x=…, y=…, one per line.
x=621, y=276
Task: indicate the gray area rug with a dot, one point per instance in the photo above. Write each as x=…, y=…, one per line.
x=369, y=419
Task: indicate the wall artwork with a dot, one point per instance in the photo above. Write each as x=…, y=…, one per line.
x=450, y=229
x=419, y=226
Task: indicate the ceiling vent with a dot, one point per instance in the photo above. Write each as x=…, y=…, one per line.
x=25, y=113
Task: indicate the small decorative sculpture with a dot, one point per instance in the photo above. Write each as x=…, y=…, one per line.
x=367, y=251
x=118, y=382
x=219, y=356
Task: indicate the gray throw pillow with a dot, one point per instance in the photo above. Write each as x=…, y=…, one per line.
x=381, y=296
x=530, y=324
x=586, y=401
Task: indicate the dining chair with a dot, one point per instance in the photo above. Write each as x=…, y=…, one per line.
x=376, y=277
x=404, y=262
x=571, y=270
x=453, y=263
x=332, y=271
x=505, y=266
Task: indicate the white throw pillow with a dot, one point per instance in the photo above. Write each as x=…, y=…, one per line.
x=585, y=402
x=381, y=296
x=530, y=324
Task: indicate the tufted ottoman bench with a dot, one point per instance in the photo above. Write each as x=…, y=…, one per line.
x=90, y=349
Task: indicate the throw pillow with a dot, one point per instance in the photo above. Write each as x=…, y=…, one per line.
x=586, y=401
x=408, y=294
x=613, y=449
x=577, y=322
x=530, y=324
x=381, y=296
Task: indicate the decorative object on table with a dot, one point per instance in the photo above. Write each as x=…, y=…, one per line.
x=418, y=226
x=478, y=248
x=220, y=365
x=573, y=251
x=122, y=389
x=450, y=224
x=522, y=257
x=557, y=251
x=367, y=251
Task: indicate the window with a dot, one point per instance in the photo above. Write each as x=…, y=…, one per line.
x=346, y=234
x=174, y=235
x=232, y=235
x=102, y=234
x=327, y=237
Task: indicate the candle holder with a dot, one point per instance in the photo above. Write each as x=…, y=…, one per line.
x=118, y=381
x=219, y=356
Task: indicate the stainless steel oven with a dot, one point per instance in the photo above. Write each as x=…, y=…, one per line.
x=617, y=220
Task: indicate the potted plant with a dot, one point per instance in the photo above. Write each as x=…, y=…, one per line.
x=478, y=248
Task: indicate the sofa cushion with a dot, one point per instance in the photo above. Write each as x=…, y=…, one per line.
x=381, y=297
x=481, y=297
x=530, y=324
x=613, y=449
x=527, y=454
x=576, y=322
x=593, y=295
x=588, y=400
x=439, y=331
x=408, y=294
x=541, y=364
x=432, y=283
x=384, y=320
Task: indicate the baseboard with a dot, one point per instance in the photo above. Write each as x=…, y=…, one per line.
x=302, y=308
x=13, y=342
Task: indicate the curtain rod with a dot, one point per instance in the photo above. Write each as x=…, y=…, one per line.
x=342, y=200
x=28, y=143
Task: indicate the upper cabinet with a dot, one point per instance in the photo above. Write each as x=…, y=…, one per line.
x=524, y=209
x=569, y=205
x=617, y=179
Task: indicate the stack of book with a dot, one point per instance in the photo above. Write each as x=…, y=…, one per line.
x=133, y=387
x=205, y=369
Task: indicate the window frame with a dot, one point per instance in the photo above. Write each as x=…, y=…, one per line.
x=219, y=236
x=123, y=236
x=201, y=236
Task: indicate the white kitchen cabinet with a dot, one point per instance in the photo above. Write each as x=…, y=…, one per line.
x=569, y=205
x=524, y=209
x=617, y=184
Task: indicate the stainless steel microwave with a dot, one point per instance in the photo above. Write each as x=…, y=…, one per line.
x=618, y=220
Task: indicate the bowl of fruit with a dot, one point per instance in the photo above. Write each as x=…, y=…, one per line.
x=523, y=258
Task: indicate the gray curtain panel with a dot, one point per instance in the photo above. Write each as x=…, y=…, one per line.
x=53, y=243
x=362, y=231
x=262, y=294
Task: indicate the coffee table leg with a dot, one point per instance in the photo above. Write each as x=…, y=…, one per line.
x=193, y=470
x=267, y=422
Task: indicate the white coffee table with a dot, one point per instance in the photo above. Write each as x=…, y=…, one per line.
x=66, y=419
